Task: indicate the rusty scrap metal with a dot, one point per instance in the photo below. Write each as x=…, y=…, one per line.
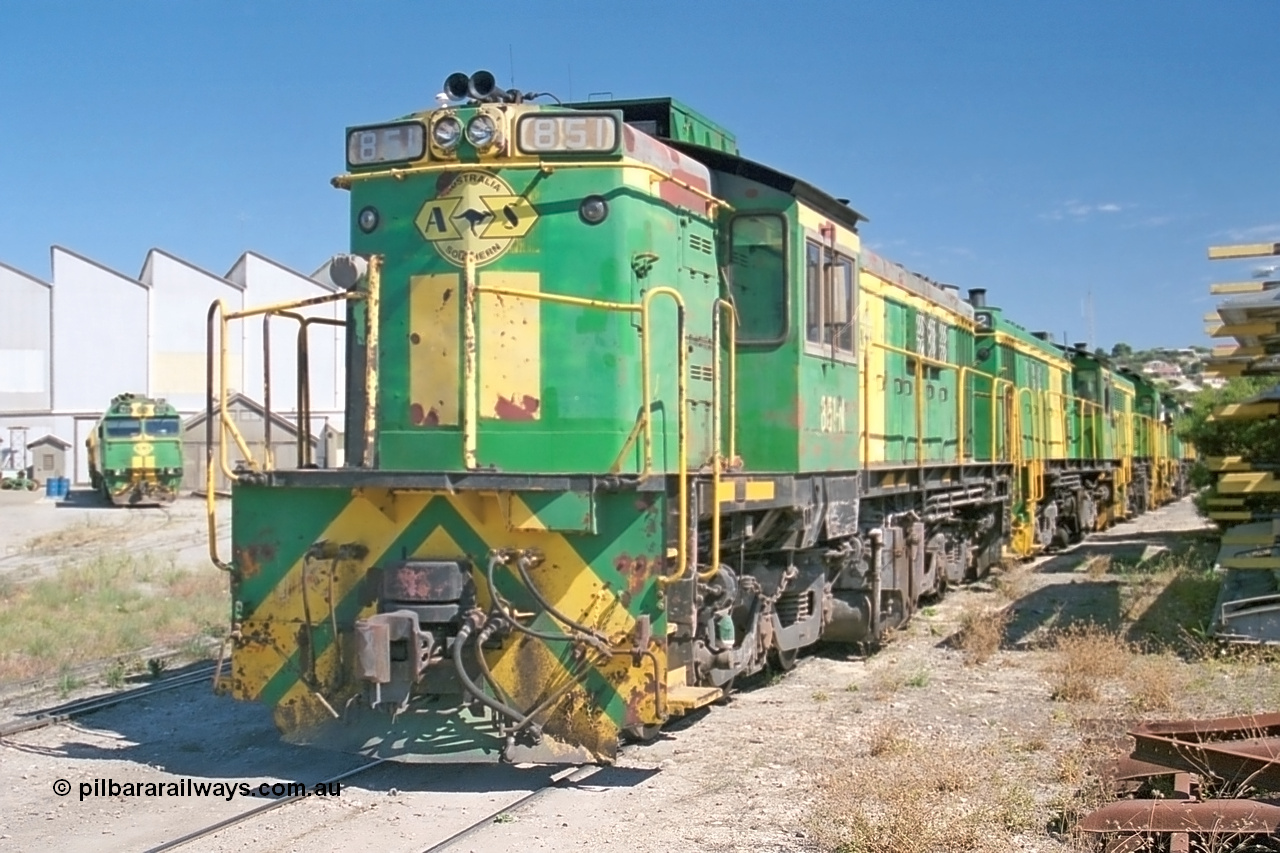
x=1202, y=817
x=1241, y=751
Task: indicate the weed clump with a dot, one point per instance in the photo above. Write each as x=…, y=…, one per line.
x=1087, y=655
x=981, y=633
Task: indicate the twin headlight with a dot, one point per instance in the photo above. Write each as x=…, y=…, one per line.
x=481, y=131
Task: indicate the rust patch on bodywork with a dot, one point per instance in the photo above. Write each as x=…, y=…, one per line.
x=508, y=409
x=249, y=558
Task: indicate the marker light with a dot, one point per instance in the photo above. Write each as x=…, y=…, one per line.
x=593, y=209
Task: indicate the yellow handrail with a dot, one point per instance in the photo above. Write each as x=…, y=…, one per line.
x=226, y=427
x=716, y=438
x=682, y=537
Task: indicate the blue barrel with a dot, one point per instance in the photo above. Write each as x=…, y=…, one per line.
x=64, y=486
x=51, y=487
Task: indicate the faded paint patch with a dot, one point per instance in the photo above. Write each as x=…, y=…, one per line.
x=510, y=348
x=434, y=359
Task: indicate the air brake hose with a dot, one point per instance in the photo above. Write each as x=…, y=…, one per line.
x=522, y=563
x=469, y=624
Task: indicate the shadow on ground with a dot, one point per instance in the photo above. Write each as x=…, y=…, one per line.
x=191, y=733
x=1166, y=617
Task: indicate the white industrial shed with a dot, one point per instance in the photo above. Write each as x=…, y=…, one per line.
x=268, y=282
x=24, y=342
x=69, y=345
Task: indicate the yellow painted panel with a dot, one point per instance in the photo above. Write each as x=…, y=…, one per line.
x=1246, y=411
x=1255, y=481
x=1244, y=250
x=1231, y=515
x=1234, y=351
x=1236, y=287
x=1225, y=370
x=1026, y=349
x=760, y=490
x=1227, y=463
x=510, y=348
x=872, y=329
x=519, y=516
x=1244, y=330
x=872, y=284
x=435, y=371
x=727, y=492
x=1251, y=563
x=815, y=221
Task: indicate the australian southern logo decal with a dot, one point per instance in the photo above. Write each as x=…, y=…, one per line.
x=474, y=214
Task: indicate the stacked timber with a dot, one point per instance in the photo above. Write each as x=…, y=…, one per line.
x=1248, y=608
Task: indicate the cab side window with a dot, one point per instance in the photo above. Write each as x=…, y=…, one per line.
x=829, y=299
x=758, y=277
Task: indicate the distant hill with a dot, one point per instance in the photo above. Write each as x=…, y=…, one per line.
x=1179, y=370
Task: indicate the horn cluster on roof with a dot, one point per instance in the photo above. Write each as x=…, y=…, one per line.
x=483, y=87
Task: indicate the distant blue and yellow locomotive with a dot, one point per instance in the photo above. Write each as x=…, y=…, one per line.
x=631, y=416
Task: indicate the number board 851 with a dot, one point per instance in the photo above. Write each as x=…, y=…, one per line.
x=564, y=133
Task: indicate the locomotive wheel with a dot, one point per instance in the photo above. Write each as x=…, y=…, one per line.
x=784, y=660
x=641, y=734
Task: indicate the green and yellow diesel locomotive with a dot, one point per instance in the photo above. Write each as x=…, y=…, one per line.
x=135, y=451
x=629, y=416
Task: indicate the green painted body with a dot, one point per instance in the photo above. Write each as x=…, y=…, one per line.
x=590, y=359
x=1102, y=423
x=1002, y=372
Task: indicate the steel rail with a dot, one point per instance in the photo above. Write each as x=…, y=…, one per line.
x=560, y=780
x=62, y=713
x=257, y=810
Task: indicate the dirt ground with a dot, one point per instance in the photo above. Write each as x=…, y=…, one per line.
x=918, y=747
x=37, y=534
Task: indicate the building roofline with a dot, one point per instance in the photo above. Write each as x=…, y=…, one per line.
x=28, y=276
x=56, y=248
x=155, y=250
x=252, y=254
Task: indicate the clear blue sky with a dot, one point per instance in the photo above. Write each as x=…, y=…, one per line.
x=1039, y=149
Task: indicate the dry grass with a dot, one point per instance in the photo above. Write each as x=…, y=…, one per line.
x=1013, y=579
x=1098, y=566
x=1088, y=789
x=109, y=605
x=888, y=680
x=924, y=795
x=1155, y=682
x=1085, y=657
x=982, y=631
x=83, y=534
x=887, y=738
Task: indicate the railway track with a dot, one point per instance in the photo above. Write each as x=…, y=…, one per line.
x=566, y=777
x=62, y=713
x=212, y=828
